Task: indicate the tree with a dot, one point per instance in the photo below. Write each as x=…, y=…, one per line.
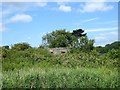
x=63, y=38
x=86, y=44
x=78, y=33
x=21, y=46
x=108, y=47
x=5, y=47
x=99, y=49
x=82, y=41
x=58, y=38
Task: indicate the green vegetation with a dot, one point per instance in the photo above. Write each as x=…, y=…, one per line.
x=83, y=67
x=108, y=47
x=61, y=77
x=21, y=46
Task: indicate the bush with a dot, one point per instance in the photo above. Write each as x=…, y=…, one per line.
x=21, y=46
x=5, y=47
x=13, y=59
x=5, y=53
x=38, y=68
x=114, y=53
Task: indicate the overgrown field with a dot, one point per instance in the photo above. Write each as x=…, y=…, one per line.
x=37, y=68
x=61, y=77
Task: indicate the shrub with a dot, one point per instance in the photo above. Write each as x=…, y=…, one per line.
x=5, y=47
x=114, y=53
x=21, y=46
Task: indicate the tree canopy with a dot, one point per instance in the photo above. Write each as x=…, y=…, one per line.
x=108, y=47
x=21, y=46
x=63, y=38
x=58, y=38
x=78, y=33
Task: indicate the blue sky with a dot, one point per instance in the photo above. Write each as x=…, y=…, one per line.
x=28, y=22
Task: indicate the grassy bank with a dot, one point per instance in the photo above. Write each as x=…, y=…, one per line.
x=37, y=68
x=36, y=77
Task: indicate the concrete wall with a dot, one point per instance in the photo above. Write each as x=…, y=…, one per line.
x=58, y=50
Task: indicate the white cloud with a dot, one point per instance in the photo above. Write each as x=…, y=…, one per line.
x=65, y=8
x=20, y=18
x=101, y=29
x=85, y=21
x=11, y=8
x=105, y=38
x=99, y=38
x=92, y=19
x=95, y=6
x=41, y=4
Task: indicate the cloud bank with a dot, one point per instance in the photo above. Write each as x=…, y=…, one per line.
x=65, y=8
x=20, y=18
x=94, y=6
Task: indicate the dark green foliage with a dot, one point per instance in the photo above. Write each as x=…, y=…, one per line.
x=5, y=47
x=108, y=47
x=62, y=38
x=114, y=53
x=60, y=41
x=86, y=44
x=41, y=46
x=21, y=46
x=14, y=59
x=78, y=33
x=82, y=59
x=99, y=49
x=5, y=52
x=38, y=68
x=58, y=38
x=114, y=45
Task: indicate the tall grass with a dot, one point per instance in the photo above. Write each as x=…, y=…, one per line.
x=61, y=78
x=37, y=68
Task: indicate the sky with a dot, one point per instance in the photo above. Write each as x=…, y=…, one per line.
x=28, y=22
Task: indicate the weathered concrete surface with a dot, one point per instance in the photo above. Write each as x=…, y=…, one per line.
x=58, y=50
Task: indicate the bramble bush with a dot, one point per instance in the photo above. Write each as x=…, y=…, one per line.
x=19, y=59
x=114, y=53
x=38, y=68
